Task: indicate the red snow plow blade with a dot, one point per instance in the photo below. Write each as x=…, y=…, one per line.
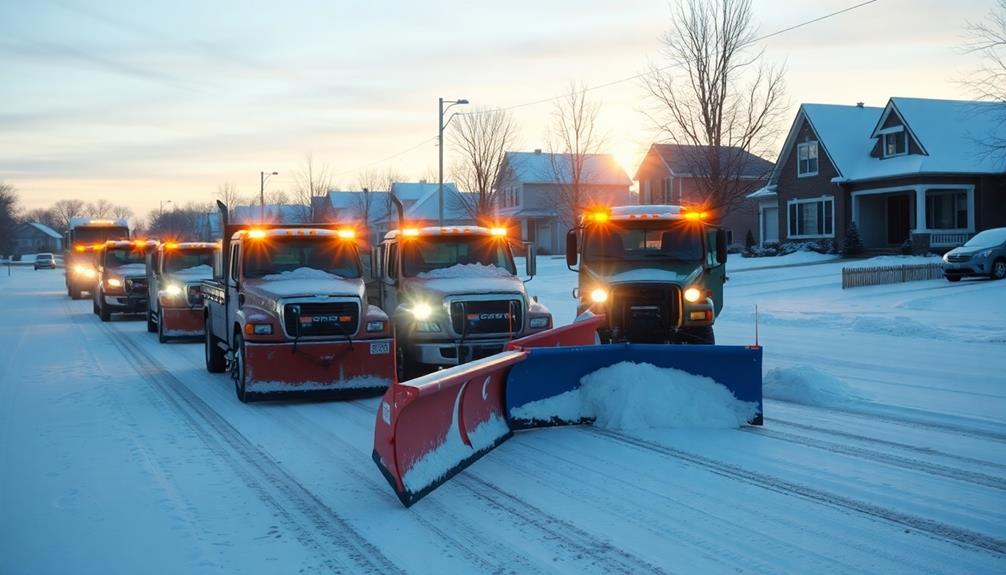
x=431, y=428
x=330, y=369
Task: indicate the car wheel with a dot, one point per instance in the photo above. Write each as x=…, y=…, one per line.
x=238, y=369
x=216, y=361
x=999, y=269
x=953, y=278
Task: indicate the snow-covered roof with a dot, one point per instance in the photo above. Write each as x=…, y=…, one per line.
x=540, y=168
x=686, y=160
x=950, y=132
x=414, y=191
x=46, y=230
x=768, y=191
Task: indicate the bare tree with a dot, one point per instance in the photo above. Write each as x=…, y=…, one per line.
x=277, y=197
x=66, y=210
x=988, y=82
x=122, y=212
x=8, y=217
x=42, y=216
x=99, y=209
x=572, y=140
x=716, y=96
x=481, y=138
x=313, y=181
x=227, y=193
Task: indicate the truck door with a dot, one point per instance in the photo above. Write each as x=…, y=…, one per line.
x=389, y=281
x=233, y=292
x=717, y=271
x=374, y=275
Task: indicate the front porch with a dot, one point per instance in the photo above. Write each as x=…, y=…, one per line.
x=938, y=215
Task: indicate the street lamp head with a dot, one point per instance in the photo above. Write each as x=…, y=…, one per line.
x=275, y=173
x=462, y=101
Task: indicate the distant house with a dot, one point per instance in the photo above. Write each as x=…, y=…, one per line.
x=915, y=168
x=672, y=174
x=34, y=238
x=531, y=186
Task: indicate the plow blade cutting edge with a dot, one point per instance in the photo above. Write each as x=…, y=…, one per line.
x=430, y=428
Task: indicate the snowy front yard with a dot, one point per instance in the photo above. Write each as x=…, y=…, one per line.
x=883, y=450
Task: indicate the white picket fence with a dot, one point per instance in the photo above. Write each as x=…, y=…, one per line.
x=859, y=277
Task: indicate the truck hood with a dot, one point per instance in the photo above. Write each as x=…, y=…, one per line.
x=681, y=276
x=128, y=270
x=280, y=288
x=191, y=275
x=442, y=287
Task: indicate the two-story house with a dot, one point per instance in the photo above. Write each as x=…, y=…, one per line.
x=534, y=191
x=915, y=168
x=674, y=174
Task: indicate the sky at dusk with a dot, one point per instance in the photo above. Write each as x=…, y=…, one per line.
x=141, y=102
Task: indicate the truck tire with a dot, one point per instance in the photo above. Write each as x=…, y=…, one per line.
x=406, y=368
x=75, y=293
x=103, y=312
x=697, y=335
x=216, y=362
x=238, y=369
x=161, y=338
x=94, y=306
x=151, y=326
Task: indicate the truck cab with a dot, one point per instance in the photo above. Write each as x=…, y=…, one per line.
x=286, y=311
x=453, y=294
x=121, y=285
x=656, y=272
x=83, y=243
x=175, y=274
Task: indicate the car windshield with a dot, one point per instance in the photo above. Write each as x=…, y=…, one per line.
x=987, y=239
x=426, y=254
x=115, y=257
x=642, y=242
x=185, y=260
x=276, y=255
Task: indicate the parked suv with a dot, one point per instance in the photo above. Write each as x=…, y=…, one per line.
x=982, y=255
x=45, y=261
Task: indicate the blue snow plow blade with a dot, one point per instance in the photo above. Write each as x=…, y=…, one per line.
x=548, y=372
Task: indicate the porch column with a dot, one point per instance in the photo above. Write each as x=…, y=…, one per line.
x=920, y=210
x=971, y=209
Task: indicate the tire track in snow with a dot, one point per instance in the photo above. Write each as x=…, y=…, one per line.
x=552, y=527
x=324, y=531
x=885, y=458
x=957, y=535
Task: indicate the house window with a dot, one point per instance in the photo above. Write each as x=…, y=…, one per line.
x=946, y=210
x=895, y=144
x=806, y=154
x=812, y=218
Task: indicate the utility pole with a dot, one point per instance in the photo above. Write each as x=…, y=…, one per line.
x=261, y=195
x=440, y=149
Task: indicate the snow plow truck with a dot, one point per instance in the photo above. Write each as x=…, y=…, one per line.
x=286, y=313
x=121, y=285
x=84, y=241
x=430, y=428
x=175, y=274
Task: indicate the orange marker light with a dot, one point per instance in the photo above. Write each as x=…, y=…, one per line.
x=170, y=246
x=79, y=248
x=497, y=231
x=693, y=216
x=256, y=234
x=599, y=217
x=347, y=234
x=411, y=232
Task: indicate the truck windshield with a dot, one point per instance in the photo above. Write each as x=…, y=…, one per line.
x=185, y=260
x=98, y=235
x=432, y=253
x=115, y=257
x=279, y=254
x=616, y=242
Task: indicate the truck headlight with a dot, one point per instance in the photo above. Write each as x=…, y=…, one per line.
x=538, y=322
x=114, y=282
x=427, y=326
x=422, y=311
x=373, y=326
x=599, y=295
x=173, y=290
x=692, y=295
x=84, y=271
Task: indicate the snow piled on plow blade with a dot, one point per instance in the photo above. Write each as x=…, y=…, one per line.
x=629, y=395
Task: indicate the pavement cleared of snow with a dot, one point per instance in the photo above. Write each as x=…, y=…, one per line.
x=631, y=396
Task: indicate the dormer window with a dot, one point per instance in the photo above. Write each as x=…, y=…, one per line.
x=895, y=142
x=806, y=155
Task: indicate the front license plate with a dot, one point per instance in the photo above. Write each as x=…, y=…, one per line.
x=380, y=348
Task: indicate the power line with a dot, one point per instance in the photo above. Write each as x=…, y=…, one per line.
x=389, y=158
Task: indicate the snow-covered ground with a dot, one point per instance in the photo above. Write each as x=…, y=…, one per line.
x=121, y=455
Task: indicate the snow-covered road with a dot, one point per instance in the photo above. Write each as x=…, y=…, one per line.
x=121, y=455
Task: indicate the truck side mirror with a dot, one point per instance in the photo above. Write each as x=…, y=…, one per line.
x=531, y=263
x=376, y=265
x=721, y=246
x=571, y=258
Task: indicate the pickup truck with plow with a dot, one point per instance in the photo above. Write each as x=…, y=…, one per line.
x=175, y=274
x=286, y=313
x=121, y=283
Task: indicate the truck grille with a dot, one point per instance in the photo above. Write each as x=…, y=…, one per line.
x=321, y=319
x=645, y=313
x=136, y=286
x=487, y=317
x=194, y=294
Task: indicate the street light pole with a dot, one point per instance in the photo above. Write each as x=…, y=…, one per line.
x=261, y=195
x=440, y=147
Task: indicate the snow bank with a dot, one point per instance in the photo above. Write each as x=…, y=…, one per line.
x=475, y=270
x=736, y=262
x=631, y=395
x=807, y=385
x=301, y=274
